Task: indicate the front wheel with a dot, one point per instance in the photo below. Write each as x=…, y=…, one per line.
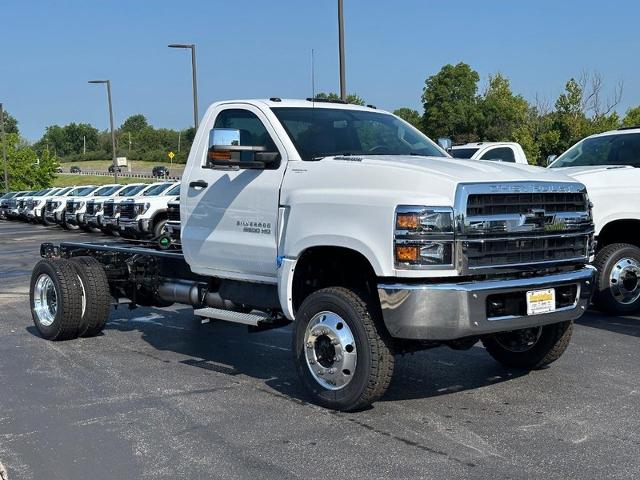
x=618, y=279
x=530, y=348
x=341, y=350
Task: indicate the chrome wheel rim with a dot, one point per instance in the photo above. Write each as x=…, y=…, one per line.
x=83, y=296
x=330, y=350
x=45, y=300
x=624, y=280
x=519, y=341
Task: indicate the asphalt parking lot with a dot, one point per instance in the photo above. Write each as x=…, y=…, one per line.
x=159, y=395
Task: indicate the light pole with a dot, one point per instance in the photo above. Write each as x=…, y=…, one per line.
x=193, y=78
x=113, y=134
x=343, y=81
x=4, y=151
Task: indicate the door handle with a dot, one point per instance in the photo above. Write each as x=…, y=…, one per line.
x=199, y=184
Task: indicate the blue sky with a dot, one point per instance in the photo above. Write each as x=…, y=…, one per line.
x=256, y=48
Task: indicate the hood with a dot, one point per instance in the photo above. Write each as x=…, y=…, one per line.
x=460, y=171
x=586, y=172
x=382, y=180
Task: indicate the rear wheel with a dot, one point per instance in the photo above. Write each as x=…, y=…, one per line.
x=56, y=299
x=95, y=287
x=618, y=279
x=530, y=348
x=342, y=352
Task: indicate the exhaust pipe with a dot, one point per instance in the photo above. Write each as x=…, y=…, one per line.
x=192, y=293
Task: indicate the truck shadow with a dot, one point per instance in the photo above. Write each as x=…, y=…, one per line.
x=229, y=349
x=624, y=325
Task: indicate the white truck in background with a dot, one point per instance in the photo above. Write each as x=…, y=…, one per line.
x=510, y=152
x=609, y=165
x=352, y=225
x=146, y=216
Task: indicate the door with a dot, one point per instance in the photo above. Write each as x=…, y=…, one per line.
x=232, y=212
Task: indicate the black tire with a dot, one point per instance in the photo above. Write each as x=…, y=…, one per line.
x=97, y=296
x=375, y=359
x=46, y=222
x=67, y=317
x=608, y=259
x=548, y=348
x=158, y=228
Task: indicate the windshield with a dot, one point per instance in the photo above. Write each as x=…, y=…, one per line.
x=42, y=192
x=463, y=152
x=156, y=189
x=322, y=132
x=82, y=191
x=620, y=149
x=106, y=191
x=131, y=190
x=174, y=191
x=64, y=191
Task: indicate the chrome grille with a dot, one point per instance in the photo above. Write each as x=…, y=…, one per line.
x=510, y=225
x=173, y=212
x=108, y=209
x=127, y=210
x=91, y=206
x=71, y=206
x=49, y=206
x=520, y=203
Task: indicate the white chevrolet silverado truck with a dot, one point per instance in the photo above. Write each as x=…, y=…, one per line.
x=350, y=224
x=609, y=165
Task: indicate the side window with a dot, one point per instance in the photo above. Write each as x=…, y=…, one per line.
x=252, y=132
x=504, y=154
x=241, y=128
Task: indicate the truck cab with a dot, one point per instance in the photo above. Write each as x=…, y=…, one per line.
x=510, y=152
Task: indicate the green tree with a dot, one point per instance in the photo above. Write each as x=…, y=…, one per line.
x=632, y=117
x=503, y=113
x=135, y=124
x=450, y=101
x=10, y=123
x=24, y=168
x=410, y=116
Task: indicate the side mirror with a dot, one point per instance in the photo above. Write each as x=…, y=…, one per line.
x=445, y=143
x=226, y=151
x=550, y=159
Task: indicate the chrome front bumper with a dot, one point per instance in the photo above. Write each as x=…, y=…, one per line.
x=93, y=220
x=449, y=311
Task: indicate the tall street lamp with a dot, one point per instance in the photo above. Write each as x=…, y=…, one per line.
x=113, y=133
x=343, y=81
x=193, y=75
x=4, y=151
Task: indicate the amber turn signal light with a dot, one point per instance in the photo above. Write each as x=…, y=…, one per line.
x=407, y=254
x=219, y=155
x=407, y=221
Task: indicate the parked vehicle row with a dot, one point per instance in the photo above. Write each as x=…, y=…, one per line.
x=159, y=171
x=135, y=211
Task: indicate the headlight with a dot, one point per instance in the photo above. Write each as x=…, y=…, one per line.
x=140, y=208
x=97, y=206
x=79, y=204
x=424, y=237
